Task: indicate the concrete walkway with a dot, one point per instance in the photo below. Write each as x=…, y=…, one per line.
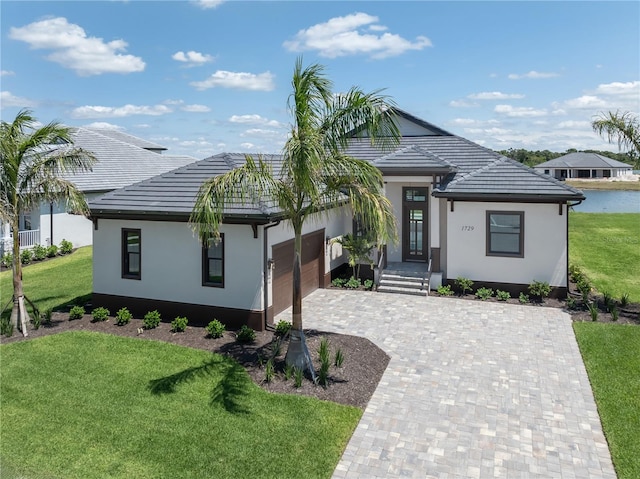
x=473, y=389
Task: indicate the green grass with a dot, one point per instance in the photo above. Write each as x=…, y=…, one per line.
x=53, y=283
x=611, y=354
x=605, y=185
x=90, y=405
x=606, y=246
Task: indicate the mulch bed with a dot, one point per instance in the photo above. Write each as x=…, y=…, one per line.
x=352, y=384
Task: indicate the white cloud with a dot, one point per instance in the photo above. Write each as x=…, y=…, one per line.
x=6, y=73
x=192, y=58
x=196, y=108
x=261, y=132
x=532, y=74
x=239, y=80
x=462, y=104
x=119, y=112
x=7, y=99
x=620, y=88
x=103, y=125
x=495, y=95
x=588, y=102
x=488, y=131
x=574, y=124
x=519, y=112
x=73, y=49
x=208, y=4
x=248, y=146
x=255, y=120
x=470, y=121
x=343, y=36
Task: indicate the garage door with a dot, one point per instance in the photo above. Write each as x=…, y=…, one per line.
x=312, y=269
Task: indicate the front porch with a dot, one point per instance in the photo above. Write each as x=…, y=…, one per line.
x=405, y=278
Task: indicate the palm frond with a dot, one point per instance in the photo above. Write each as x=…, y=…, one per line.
x=622, y=128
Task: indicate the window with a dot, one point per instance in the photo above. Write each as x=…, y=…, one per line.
x=213, y=263
x=505, y=233
x=131, y=253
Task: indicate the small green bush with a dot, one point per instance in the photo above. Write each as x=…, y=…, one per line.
x=607, y=300
x=368, y=284
x=585, y=288
x=593, y=310
x=77, y=312
x=36, y=320
x=353, y=283
x=215, y=329
x=269, y=371
x=7, y=260
x=245, y=335
x=571, y=303
x=100, y=314
x=484, y=293
x=338, y=282
x=151, y=320
x=66, y=247
x=26, y=256
x=339, y=359
x=539, y=289
x=624, y=300
x=123, y=316
x=282, y=328
x=45, y=317
x=179, y=324
x=615, y=313
x=503, y=295
x=52, y=251
x=523, y=298
x=39, y=252
x=463, y=284
x=444, y=290
x=297, y=377
x=323, y=350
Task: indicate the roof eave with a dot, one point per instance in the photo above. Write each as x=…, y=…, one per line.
x=508, y=197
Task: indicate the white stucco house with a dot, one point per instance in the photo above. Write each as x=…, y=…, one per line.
x=467, y=209
x=583, y=165
x=122, y=159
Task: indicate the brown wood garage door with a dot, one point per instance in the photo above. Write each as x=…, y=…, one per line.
x=312, y=269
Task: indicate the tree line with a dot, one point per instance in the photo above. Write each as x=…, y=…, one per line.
x=532, y=158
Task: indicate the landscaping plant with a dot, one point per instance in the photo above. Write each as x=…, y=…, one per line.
x=76, y=312
x=66, y=247
x=151, y=320
x=593, y=310
x=179, y=324
x=463, y=285
x=100, y=314
x=539, y=289
x=503, y=295
x=52, y=251
x=123, y=316
x=39, y=252
x=26, y=256
x=282, y=328
x=523, y=298
x=444, y=290
x=484, y=293
x=245, y=334
x=215, y=329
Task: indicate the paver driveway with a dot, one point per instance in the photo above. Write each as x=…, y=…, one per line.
x=473, y=389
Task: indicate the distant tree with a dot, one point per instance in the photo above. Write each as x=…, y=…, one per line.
x=33, y=161
x=623, y=128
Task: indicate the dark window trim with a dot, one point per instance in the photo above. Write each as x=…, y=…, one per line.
x=520, y=253
x=125, y=254
x=205, y=265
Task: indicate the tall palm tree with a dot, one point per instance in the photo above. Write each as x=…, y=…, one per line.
x=624, y=128
x=315, y=174
x=33, y=161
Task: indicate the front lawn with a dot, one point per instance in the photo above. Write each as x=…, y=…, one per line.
x=611, y=354
x=606, y=247
x=55, y=282
x=90, y=405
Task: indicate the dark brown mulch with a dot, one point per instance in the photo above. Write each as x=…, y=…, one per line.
x=353, y=383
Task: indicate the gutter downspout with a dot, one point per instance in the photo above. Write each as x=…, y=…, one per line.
x=569, y=205
x=51, y=223
x=265, y=270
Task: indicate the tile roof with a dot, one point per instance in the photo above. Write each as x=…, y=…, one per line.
x=583, y=159
x=119, y=163
x=415, y=158
x=127, y=138
x=173, y=193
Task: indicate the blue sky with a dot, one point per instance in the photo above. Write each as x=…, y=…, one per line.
x=202, y=77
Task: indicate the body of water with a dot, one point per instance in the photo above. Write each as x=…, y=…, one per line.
x=607, y=201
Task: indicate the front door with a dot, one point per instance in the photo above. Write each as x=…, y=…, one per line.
x=414, y=224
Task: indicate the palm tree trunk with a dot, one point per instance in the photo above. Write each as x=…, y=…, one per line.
x=19, y=314
x=298, y=354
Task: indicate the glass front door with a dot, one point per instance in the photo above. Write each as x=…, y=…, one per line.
x=414, y=224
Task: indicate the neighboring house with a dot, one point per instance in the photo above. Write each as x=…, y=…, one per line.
x=473, y=212
x=584, y=165
x=122, y=159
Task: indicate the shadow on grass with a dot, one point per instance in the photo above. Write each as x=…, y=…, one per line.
x=229, y=391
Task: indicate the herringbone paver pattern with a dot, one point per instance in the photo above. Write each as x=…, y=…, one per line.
x=473, y=390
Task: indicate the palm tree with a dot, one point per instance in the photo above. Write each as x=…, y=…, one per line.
x=33, y=161
x=623, y=128
x=315, y=173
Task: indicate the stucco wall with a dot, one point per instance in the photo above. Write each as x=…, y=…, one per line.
x=545, y=253
x=74, y=228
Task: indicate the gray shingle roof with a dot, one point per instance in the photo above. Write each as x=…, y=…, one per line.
x=173, y=193
x=582, y=159
x=127, y=138
x=119, y=163
x=414, y=158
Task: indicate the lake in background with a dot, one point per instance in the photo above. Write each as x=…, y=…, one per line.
x=607, y=201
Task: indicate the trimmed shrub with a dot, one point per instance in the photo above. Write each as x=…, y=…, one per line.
x=52, y=251
x=463, y=284
x=77, y=312
x=484, y=293
x=353, y=283
x=26, y=256
x=539, y=289
x=245, y=335
x=215, y=329
x=151, y=320
x=7, y=260
x=523, y=298
x=100, y=314
x=368, y=284
x=123, y=316
x=6, y=327
x=39, y=252
x=503, y=295
x=444, y=290
x=179, y=324
x=338, y=282
x=66, y=247
x=45, y=317
x=571, y=303
x=282, y=328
